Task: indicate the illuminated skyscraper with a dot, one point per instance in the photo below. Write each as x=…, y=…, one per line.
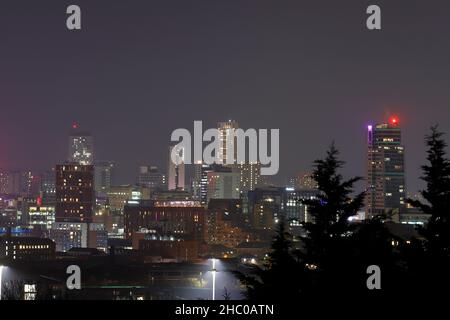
x=74, y=193
x=225, y=129
x=386, y=171
x=205, y=170
x=249, y=172
x=81, y=147
x=250, y=176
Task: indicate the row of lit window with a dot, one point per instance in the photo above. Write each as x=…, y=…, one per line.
x=70, y=200
x=34, y=246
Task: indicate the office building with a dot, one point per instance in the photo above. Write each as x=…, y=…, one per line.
x=118, y=196
x=41, y=217
x=103, y=179
x=81, y=147
x=48, y=187
x=9, y=217
x=223, y=183
x=180, y=219
x=265, y=207
x=151, y=177
x=97, y=236
x=68, y=235
x=26, y=248
x=196, y=180
x=205, y=171
x=293, y=208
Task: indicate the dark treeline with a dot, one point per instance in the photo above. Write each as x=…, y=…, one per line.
x=332, y=258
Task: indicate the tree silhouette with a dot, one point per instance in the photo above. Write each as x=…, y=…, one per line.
x=279, y=278
x=335, y=253
x=429, y=263
x=437, y=195
x=372, y=245
x=327, y=244
x=226, y=294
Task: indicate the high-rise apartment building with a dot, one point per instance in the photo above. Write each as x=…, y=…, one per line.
x=74, y=193
x=386, y=169
x=226, y=129
x=250, y=176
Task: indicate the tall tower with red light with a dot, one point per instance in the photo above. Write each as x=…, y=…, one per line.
x=386, y=188
x=81, y=146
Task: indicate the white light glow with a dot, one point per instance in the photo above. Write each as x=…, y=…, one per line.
x=1, y=283
x=214, y=279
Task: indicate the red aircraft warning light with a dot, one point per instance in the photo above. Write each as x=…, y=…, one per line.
x=74, y=125
x=394, y=121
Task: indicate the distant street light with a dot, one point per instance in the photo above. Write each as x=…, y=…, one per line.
x=214, y=279
x=1, y=283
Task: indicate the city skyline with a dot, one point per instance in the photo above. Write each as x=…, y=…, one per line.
x=241, y=151
x=166, y=167
x=265, y=66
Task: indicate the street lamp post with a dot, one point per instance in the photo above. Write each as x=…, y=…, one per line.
x=1, y=281
x=213, y=279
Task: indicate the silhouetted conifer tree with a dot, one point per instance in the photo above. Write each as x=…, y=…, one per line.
x=429, y=264
x=327, y=251
x=279, y=278
x=437, y=195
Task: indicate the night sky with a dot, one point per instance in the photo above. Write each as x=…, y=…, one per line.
x=140, y=69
